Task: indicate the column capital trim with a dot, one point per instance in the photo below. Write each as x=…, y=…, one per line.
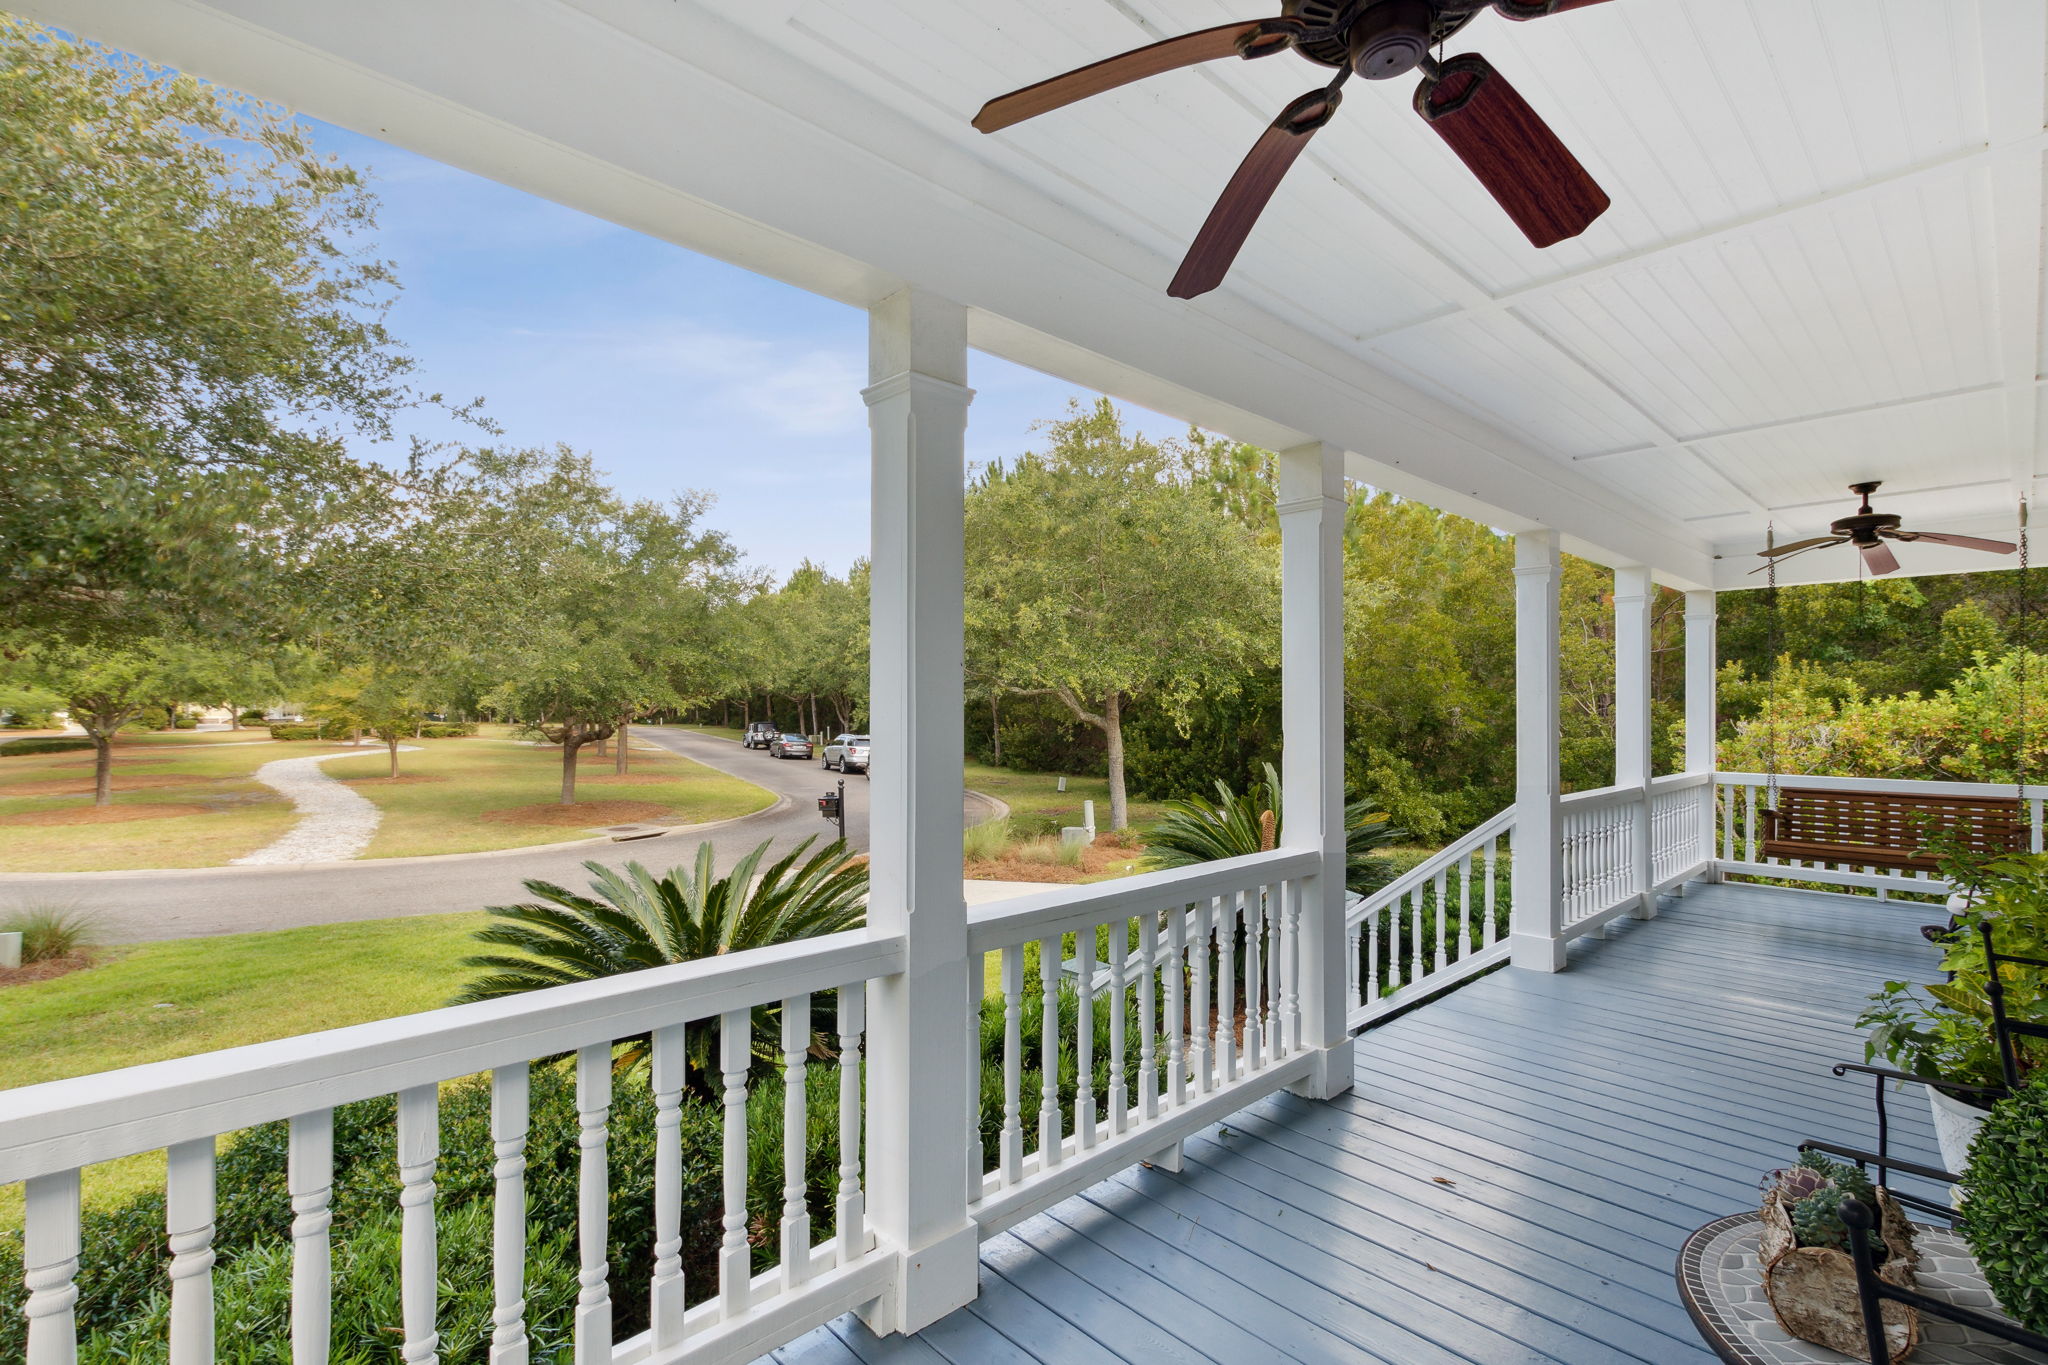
x=1314, y=502
x=915, y=382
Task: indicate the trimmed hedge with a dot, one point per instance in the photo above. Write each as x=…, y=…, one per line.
x=448, y=729
x=295, y=732
x=2005, y=1191
x=48, y=744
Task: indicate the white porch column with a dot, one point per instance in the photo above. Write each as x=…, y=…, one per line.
x=917, y=1040
x=1702, y=707
x=1537, y=919
x=1634, y=598
x=1311, y=493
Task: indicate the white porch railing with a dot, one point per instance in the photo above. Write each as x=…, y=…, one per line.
x=1621, y=846
x=1434, y=925
x=1185, y=984
x=48, y=1132
x=1740, y=799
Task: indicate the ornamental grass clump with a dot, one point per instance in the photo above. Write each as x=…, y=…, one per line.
x=2005, y=1193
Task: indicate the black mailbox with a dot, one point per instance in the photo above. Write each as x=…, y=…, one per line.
x=828, y=805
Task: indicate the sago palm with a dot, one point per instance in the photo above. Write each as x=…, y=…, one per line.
x=1197, y=830
x=633, y=920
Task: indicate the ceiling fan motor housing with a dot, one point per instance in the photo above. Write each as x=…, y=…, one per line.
x=1384, y=38
x=1864, y=526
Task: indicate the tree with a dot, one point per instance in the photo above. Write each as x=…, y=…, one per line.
x=187, y=331
x=1097, y=576
x=104, y=688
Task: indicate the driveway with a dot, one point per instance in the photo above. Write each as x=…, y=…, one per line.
x=131, y=907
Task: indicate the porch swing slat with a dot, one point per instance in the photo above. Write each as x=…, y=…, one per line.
x=1888, y=829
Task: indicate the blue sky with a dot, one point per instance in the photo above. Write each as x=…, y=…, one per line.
x=674, y=371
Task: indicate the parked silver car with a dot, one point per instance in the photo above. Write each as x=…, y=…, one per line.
x=789, y=746
x=847, y=753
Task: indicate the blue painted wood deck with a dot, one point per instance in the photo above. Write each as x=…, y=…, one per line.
x=1508, y=1183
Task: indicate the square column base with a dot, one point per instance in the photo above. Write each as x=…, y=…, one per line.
x=930, y=1283
x=1536, y=954
x=1331, y=1075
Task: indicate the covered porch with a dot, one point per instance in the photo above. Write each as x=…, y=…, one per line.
x=1273, y=1164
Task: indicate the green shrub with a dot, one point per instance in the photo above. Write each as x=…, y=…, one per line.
x=252, y=716
x=448, y=729
x=29, y=720
x=47, y=744
x=295, y=731
x=2006, y=1200
x=49, y=931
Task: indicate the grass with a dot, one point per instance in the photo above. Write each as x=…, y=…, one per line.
x=236, y=815
x=158, y=1000
x=1039, y=807
x=447, y=816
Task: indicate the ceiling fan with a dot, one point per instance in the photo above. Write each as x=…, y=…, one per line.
x=1514, y=154
x=1868, y=531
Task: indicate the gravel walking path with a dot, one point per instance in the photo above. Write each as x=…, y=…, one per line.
x=335, y=824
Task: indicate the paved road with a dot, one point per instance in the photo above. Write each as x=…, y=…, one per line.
x=133, y=907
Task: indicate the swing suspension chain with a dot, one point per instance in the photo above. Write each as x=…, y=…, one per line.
x=2020, y=764
x=1771, y=678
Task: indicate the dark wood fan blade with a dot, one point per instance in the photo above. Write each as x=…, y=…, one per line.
x=1811, y=546
x=1512, y=151
x=1253, y=37
x=1248, y=193
x=1536, y=9
x=1879, y=558
x=1791, y=546
x=1997, y=547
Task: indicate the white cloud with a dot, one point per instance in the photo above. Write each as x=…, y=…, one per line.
x=791, y=389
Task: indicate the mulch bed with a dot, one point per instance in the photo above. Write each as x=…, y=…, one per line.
x=1102, y=856
x=44, y=970
x=103, y=815
x=123, y=781
x=582, y=813
x=402, y=780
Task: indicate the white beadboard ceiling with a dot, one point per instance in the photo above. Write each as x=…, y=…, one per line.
x=1823, y=263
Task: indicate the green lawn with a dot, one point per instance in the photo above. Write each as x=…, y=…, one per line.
x=157, y=1000
x=1038, y=806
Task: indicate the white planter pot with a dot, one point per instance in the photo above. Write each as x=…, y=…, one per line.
x=1955, y=1128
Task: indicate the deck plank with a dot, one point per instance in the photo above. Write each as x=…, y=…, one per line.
x=1508, y=1182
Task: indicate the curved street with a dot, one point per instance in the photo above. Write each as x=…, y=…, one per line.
x=131, y=907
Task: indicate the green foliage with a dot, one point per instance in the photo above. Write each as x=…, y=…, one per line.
x=447, y=729
x=49, y=931
x=2006, y=1192
x=297, y=731
x=986, y=840
x=1198, y=831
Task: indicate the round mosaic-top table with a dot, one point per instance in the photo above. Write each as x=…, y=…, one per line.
x=1720, y=1281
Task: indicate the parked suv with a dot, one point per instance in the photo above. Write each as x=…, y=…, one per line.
x=789, y=746
x=847, y=753
x=758, y=735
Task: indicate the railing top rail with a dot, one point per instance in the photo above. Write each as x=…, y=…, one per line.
x=1674, y=782
x=1064, y=909
x=1899, y=786
x=61, y=1124
x=1425, y=871
x=1601, y=796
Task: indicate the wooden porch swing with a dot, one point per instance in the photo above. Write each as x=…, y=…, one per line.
x=1888, y=830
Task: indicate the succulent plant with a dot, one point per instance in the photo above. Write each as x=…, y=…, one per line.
x=1817, y=1221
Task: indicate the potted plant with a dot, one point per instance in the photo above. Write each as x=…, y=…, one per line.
x=1942, y=1031
x=2006, y=1184
x=1804, y=1251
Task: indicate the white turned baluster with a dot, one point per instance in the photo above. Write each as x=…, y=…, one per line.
x=1416, y=906
x=309, y=1180
x=1176, y=1010
x=1198, y=1012
x=853, y=1206
x=1049, y=1123
x=1148, y=1024
x=977, y=1154
x=1119, y=1092
x=1749, y=827
x=1012, y=1153
x=668, y=1073
x=1354, y=968
x=796, y=1213
x=1443, y=918
x=1226, y=987
x=188, y=1223
x=49, y=1257
x=1492, y=881
x=511, y=1091
x=1084, y=1042
x=593, y=1200
x=1276, y=971
x=1254, y=979
x=1464, y=905
x=419, y=1147
x=735, y=1265
x=1372, y=957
